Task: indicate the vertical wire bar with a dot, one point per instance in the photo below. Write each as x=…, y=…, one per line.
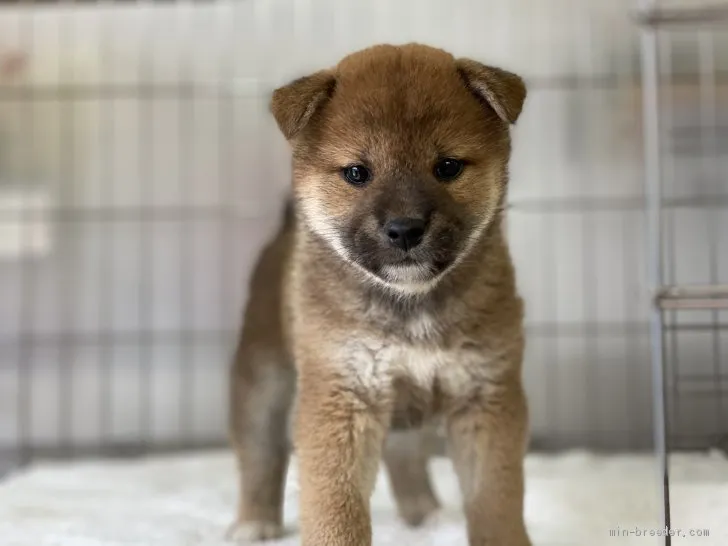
x=553, y=369
x=626, y=80
x=70, y=260
x=672, y=356
x=709, y=148
x=107, y=278
x=145, y=109
x=631, y=342
x=651, y=112
x=590, y=285
x=551, y=250
x=301, y=14
x=186, y=115
x=28, y=277
x=226, y=120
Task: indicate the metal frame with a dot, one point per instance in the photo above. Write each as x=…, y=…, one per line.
x=651, y=19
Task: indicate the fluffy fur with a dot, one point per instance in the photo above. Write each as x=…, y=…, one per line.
x=366, y=344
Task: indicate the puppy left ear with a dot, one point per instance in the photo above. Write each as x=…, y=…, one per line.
x=294, y=104
x=503, y=91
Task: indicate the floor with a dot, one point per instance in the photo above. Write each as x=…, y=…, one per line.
x=574, y=499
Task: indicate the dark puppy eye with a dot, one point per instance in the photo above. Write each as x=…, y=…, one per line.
x=356, y=175
x=448, y=169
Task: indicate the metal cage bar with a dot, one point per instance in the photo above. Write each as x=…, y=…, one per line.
x=653, y=193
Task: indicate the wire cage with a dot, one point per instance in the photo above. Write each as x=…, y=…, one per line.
x=686, y=152
x=140, y=173
x=686, y=157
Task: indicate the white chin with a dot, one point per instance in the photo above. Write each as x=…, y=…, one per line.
x=407, y=274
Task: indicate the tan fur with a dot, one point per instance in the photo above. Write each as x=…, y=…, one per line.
x=373, y=343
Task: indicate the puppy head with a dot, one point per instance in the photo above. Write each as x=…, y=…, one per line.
x=400, y=157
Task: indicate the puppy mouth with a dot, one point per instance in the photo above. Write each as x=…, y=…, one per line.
x=401, y=268
x=407, y=272
x=406, y=261
x=393, y=265
x=412, y=268
x=410, y=262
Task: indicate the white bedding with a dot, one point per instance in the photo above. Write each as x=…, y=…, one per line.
x=572, y=499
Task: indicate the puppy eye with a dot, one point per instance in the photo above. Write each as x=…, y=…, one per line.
x=356, y=175
x=448, y=169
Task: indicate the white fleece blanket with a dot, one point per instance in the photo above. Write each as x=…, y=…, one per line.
x=572, y=499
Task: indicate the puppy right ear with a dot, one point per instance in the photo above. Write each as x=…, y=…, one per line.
x=503, y=91
x=294, y=104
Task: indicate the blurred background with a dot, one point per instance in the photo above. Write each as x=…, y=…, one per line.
x=140, y=173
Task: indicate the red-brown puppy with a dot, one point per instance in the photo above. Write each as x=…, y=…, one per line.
x=388, y=299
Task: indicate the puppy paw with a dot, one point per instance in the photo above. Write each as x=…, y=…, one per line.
x=415, y=511
x=247, y=532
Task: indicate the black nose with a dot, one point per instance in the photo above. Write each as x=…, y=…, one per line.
x=405, y=233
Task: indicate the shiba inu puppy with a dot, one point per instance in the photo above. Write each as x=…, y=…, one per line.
x=387, y=300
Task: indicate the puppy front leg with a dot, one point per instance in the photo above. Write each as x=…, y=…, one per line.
x=487, y=437
x=339, y=439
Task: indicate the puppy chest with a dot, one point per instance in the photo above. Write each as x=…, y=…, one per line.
x=419, y=366
x=412, y=386
x=419, y=374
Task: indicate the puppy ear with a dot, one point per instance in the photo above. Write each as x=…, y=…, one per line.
x=504, y=91
x=294, y=104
